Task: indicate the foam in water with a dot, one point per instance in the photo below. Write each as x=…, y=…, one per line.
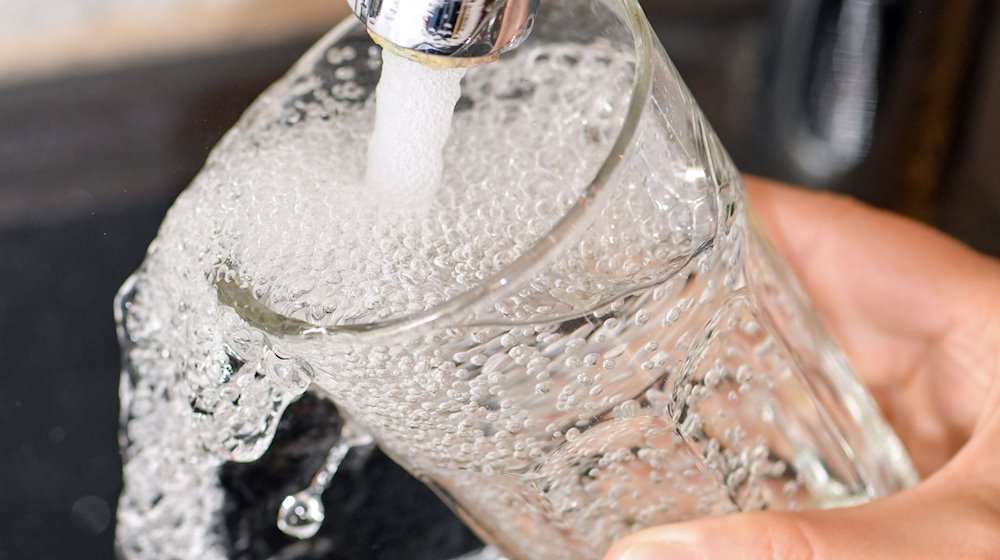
x=413, y=118
x=297, y=232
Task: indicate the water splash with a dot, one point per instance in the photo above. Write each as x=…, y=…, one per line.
x=302, y=514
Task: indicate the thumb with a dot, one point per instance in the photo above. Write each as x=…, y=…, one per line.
x=930, y=521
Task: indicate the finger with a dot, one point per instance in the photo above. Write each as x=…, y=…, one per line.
x=931, y=521
x=915, y=310
x=873, y=267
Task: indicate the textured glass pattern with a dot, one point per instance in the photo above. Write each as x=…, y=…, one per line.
x=564, y=360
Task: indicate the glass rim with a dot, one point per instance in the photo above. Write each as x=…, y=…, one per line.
x=589, y=201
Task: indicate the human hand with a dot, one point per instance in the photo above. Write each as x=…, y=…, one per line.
x=918, y=314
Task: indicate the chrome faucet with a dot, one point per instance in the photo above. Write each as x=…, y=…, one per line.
x=447, y=33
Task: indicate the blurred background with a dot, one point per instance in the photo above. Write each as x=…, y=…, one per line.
x=108, y=109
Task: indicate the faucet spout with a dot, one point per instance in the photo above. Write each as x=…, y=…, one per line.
x=447, y=33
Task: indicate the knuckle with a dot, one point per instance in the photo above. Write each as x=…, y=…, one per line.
x=786, y=538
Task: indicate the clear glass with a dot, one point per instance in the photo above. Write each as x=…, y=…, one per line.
x=643, y=358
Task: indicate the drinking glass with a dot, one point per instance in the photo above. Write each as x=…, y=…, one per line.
x=643, y=359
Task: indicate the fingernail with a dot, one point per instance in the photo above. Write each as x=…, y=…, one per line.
x=659, y=551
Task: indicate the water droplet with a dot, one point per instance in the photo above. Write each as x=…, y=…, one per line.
x=715, y=376
x=345, y=73
x=301, y=515
x=641, y=317
x=629, y=409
